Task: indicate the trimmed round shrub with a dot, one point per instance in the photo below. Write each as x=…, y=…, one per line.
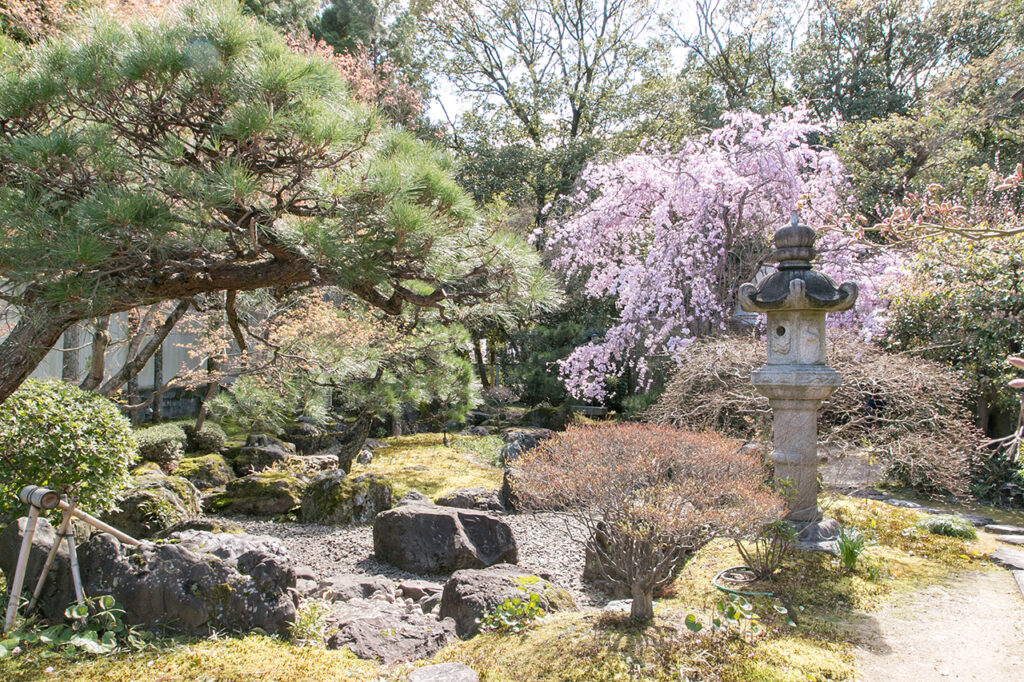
x=163, y=444
x=948, y=525
x=210, y=438
x=55, y=435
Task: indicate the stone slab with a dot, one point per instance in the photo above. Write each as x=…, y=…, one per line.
x=1018, y=576
x=827, y=546
x=1012, y=559
x=976, y=520
x=1002, y=529
x=444, y=672
x=1011, y=539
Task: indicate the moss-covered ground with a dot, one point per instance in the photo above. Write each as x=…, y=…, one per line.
x=592, y=645
x=422, y=461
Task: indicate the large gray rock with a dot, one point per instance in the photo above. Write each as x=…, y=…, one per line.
x=156, y=503
x=385, y=631
x=471, y=594
x=335, y=498
x=259, y=452
x=412, y=497
x=57, y=592
x=348, y=586
x=426, y=538
x=472, y=498
x=204, y=582
x=443, y=672
x=519, y=440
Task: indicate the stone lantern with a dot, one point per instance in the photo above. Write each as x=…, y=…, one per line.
x=795, y=379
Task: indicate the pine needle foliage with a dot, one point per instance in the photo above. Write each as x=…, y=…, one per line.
x=154, y=160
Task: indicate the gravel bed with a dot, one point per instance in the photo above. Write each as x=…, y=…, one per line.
x=546, y=547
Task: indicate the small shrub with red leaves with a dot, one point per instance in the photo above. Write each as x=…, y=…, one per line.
x=647, y=497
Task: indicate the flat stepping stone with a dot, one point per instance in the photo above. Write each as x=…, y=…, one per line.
x=1011, y=540
x=444, y=672
x=976, y=520
x=1012, y=559
x=907, y=504
x=1001, y=529
x=1018, y=576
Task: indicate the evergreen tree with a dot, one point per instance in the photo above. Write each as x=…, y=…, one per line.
x=147, y=162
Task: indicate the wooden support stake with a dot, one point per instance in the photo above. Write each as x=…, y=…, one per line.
x=19, y=571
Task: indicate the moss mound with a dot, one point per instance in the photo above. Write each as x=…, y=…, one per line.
x=334, y=498
x=207, y=471
x=266, y=493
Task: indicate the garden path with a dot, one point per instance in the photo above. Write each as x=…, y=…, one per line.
x=970, y=627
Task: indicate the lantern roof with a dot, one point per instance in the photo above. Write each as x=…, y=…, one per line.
x=796, y=285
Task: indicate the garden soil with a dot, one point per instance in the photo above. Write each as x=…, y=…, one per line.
x=970, y=627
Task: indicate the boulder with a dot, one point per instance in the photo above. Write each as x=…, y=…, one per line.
x=202, y=583
x=156, y=503
x=469, y=595
x=310, y=465
x=307, y=437
x=335, y=498
x=426, y=538
x=264, y=494
x=347, y=586
x=472, y=498
x=387, y=632
x=520, y=440
x=365, y=455
x=507, y=494
x=548, y=417
x=211, y=525
x=343, y=441
x=207, y=471
x=411, y=497
x=58, y=591
x=259, y=452
x=478, y=430
x=443, y=672
x=418, y=589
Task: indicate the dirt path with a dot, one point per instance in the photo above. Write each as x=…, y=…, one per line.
x=969, y=628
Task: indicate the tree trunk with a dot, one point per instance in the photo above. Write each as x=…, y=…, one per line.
x=98, y=355
x=134, y=365
x=70, y=366
x=212, y=366
x=158, y=381
x=642, y=609
x=481, y=367
x=28, y=343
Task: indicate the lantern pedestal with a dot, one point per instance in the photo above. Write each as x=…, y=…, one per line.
x=795, y=379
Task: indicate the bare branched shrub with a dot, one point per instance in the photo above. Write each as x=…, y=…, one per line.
x=907, y=412
x=647, y=497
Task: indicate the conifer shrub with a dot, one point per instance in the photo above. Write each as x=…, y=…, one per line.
x=55, y=435
x=647, y=497
x=906, y=412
